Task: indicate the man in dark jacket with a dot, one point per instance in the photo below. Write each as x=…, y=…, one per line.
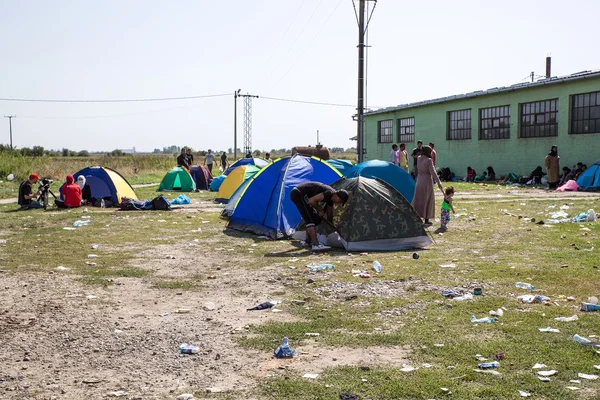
x=182, y=160
x=26, y=195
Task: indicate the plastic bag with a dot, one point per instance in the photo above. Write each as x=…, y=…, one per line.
x=181, y=199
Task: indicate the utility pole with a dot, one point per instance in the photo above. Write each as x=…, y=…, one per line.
x=247, y=121
x=361, y=81
x=10, y=117
x=235, y=96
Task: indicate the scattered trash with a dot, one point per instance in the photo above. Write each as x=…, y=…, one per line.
x=488, y=371
x=263, y=306
x=544, y=379
x=438, y=344
x=447, y=265
x=499, y=356
x=185, y=396
x=493, y=364
x=524, y=394
x=478, y=291
x=348, y=396
x=377, y=266
x=91, y=297
x=312, y=334
x=188, y=349
x=523, y=285
x=310, y=376
x=407, y=368
x=210, y=306
x=498, y=313
x=570, y=298
x=68, y=228
x=574, y=381
x=467, y=296
x=564, y=207
x=585, y=341
x=321, y=267
x=81, y=223
x=183, y=311
x=91, y=264
x=415, y=256
x=164, y=314
x=529, y=298
x=482, y=320
x=586, y=376
x=547, y=373
x=573, y=388
x=539, y=366
x=548, y=330
x=360, y=274
x=592, y=300
x=567, y=319
x=284, y=350
x=92, y=256
x=597, y=366
x=586, y=216
x=589, y=307
x=118, y=393
x=95, y=246
x=61, y=268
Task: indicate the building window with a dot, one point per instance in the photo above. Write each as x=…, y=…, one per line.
x=385, y=131
x=585, y=113
x=539, y=119
x=494, y=123
x=459, y=125
x=406, y=130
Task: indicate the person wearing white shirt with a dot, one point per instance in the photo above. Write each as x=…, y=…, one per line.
x=394, y=155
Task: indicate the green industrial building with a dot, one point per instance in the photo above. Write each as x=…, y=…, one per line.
x=510, y=128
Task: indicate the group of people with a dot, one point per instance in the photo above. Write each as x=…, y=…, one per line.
x=74, y=194
x=489, y=175
x=399, y=156
x=555, y=178
x=186, y=159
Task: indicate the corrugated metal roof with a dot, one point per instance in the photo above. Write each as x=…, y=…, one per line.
x=478, y=93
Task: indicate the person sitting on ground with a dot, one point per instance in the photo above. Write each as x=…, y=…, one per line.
x=26, y=196
x=566, y=176
x=536, y=176
x=182, y=160
x=491, y=174
x=71, y=193
x=471, y=174
x=481, y=178
x=314, y=201
x=86, y=191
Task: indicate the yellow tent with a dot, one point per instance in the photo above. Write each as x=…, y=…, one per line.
x=234, y=180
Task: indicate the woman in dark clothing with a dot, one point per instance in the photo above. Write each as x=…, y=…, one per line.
x=536, y=175
x=491, y=174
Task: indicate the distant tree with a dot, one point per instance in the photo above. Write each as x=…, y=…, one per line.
x=336, y=149
x=116, y=153
x=37, y=151
x=257, y=153
x=351, y=150
x=230, y=151
x=65, y=152
x=172, y=150
x=157, y=151
x=83, y=153
x=52, y=153
x=201, y=153
x=26, y=151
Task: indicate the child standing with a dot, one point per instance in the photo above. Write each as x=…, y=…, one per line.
x=446, y=208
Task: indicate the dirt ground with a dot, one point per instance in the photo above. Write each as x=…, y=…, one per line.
x=61, y=339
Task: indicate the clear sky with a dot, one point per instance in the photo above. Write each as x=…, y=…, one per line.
x=290, y=49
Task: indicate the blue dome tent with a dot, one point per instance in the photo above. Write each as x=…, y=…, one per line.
x=388, y=172
x=343, y=166
x=259, y=162
x=589, y=180
x=264, y=207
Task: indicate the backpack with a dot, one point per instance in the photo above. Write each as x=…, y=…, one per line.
x=160, y=203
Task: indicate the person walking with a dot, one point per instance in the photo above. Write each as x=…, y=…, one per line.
x=403, y=157
x=424, y=199
x=552, y=163
x=209, y=158
x=224, y=161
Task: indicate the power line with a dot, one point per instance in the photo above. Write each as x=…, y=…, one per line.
x=308, y=102
x=113, y=100
x=285, y=33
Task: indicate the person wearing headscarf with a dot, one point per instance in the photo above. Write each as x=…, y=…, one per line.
x=424, y=198
x=552, y=162
x=71, y=194
x=86, y=191
x=491, y=174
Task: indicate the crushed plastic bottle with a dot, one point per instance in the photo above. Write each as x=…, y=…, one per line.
x=589, y=307
x=81, y=223
x=523, y=285
x=376, y=266
x=493, y=364
x=529, y=298
x=483, y=320
x=567, y=319
x=581, y=340
x=321, y=267
x=188, y=349
x=284, y=350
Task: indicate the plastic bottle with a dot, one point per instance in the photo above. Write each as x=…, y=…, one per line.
x=567, y=319
x=376, y=266
x=102, y=204
x=81, y=223
x=321, y=267
x=493, y=364
x=589, y=307
x=483, y=320
x=581, y=340
x=188, y=349
x=284, y=350
x=524, y=285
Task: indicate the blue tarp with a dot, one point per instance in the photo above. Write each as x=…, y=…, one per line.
x=388, y=172
x=265, y=208
x=590, y=178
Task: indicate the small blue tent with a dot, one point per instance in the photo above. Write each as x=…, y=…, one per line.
x=215, y=184
x=259, y=162
x=589, y=180
x=265, y=208
x=201, y=176
x=343, y=166
x=388, y=172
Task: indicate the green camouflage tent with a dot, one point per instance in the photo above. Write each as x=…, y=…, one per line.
x=375, y=217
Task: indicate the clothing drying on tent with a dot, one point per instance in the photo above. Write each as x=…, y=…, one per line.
x=234, y=180
x=388, y=172
x=216, y=183
x=201, y=176
x=376, y=217
x=105, y=183
x=265, y=208
x=589, y=180
x=177, y=179
x=344, y=167
x=259, y=162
